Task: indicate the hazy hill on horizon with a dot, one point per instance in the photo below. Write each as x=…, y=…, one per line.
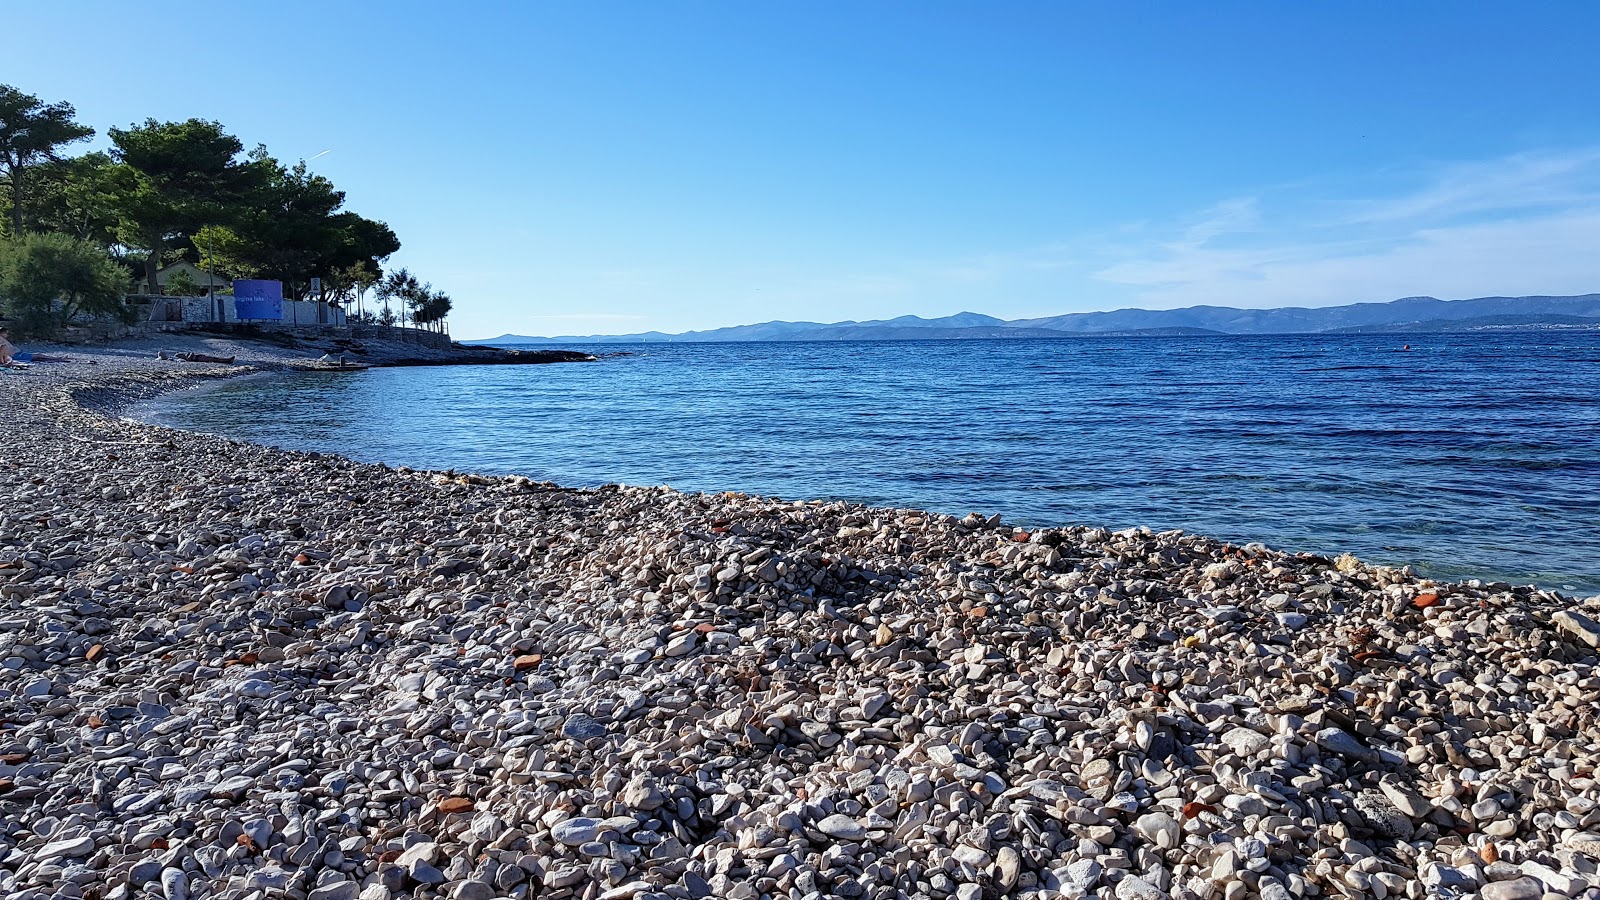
x=1409, y=313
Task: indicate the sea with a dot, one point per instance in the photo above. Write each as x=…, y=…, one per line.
x=1473, y=455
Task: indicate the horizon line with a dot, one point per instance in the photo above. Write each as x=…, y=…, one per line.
x=1005, y=323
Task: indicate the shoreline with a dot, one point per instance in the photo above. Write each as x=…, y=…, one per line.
x=239, y=670
x=255, y=357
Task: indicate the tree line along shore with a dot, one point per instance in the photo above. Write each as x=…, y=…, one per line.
x=81, y=233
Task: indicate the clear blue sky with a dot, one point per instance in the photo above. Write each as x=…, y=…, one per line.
x=614, y=167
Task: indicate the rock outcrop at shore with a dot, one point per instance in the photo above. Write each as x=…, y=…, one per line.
x=229, y=671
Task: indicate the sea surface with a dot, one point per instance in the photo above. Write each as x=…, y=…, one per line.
x=1466, y=456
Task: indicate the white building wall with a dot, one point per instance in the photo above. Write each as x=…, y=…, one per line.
x=295, y=312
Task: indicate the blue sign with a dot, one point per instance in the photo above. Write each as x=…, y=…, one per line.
x=258, y=299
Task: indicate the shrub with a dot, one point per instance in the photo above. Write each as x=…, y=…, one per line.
x=46, y=279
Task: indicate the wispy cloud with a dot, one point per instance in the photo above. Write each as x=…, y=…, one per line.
x=1526, y=223
x=1525, y=182
x=1235, y=216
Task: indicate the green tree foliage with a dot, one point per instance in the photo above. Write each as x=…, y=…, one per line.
x=178, y=177
x=413, y=298
x=291, y=230
x=31, y=132
x=167, y=190
x=79, y=196
x=431, y=309
x=399, y=286
x=350, y=284
x=364, y=245
x=180, y=284
x=46, y=279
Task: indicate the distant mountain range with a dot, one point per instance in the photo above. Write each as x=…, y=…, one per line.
x=1411, y=314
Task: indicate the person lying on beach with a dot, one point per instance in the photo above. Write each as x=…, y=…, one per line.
x=186, y=356
x=10, y=356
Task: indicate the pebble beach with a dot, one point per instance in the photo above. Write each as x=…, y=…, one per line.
x=229, y=671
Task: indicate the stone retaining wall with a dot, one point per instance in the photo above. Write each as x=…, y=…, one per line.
x=299, y=318
x=431, y=339
x=295, y=312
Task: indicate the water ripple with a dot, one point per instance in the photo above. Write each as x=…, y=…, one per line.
x=1461, y=457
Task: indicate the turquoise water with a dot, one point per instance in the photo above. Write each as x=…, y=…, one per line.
x=1466, y=456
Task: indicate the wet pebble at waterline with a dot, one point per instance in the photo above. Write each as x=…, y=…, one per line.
x=227, y=671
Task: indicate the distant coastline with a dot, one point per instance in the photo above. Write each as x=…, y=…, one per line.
x=1409, y=314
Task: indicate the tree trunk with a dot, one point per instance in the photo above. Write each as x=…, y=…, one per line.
x=16, y=201
x=152, y=265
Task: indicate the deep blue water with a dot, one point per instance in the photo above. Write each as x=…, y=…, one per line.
x=1467, y=456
